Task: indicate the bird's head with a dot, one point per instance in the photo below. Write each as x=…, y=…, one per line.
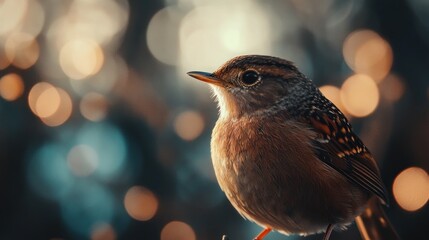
x=253, y=83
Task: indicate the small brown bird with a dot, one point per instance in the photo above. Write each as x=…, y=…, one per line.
x=286, y=157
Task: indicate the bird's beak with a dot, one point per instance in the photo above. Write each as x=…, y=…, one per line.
x=205, y=77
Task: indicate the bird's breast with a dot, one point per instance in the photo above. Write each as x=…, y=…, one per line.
x=248, y=150
x=258, y=162
x=268, y=170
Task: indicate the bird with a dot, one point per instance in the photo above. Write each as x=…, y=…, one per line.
x=286, y=157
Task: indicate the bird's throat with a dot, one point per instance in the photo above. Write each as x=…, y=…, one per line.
x=225, y=104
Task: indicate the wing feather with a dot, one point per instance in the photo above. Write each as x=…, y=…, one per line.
x=340, y=148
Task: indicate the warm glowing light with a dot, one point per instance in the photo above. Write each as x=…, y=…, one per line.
x=82, y=160
x=4, y=61
x=11, y=86
x=113, y=72
x=53, y=105
x=177, y=230
x=392, y=88
x=12, y=13
x=34, y=18
x=93, y=106
x=359, y=94
x=333, y=94
x=80, y=58
x=48, y=102
x=411, y=188
x=140, y=203
x=103, y=231
x=64, y=110
x=22, y=50
x=97, y=20
x=367, y=53
x=163, y=33
x=189, y=125
x=35, y=93
x=212, y=33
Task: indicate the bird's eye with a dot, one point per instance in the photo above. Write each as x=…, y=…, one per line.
x=250, y=77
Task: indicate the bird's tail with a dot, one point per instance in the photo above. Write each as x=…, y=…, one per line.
x=373, y=223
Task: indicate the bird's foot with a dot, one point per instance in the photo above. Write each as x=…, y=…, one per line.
x=262, y=234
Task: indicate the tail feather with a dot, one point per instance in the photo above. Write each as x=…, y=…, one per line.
x=373, y=223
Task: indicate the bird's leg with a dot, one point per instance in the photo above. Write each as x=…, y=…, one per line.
x=328, y=232
x=262, y=234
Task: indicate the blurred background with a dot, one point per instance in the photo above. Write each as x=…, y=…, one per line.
x=103, y=135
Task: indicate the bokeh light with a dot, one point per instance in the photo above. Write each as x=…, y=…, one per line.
x=411, y=188
x=34, y=19
x=48, y=174
x=62, y=113
x=210, y=34
x=21, y=16
x=392, y=88
x=80, y=58
x=177, y=230
x=12, y=13
x=368, y=53
x=100, y=20
x=22, y=50
x=35, y=93
x=359, y=94
x=333, y=94
x=140, y=203
x=48, y=102
x=89, y=204
x=109, y=144
x=93, y=106
x=163, y=34
x=189, y=125
x=82, y=160
x=103, y=231
x=11, y=86
x=4, y=61
x=113, y=71
x=51, y=104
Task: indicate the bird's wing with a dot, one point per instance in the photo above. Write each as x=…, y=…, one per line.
x=338, y=147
